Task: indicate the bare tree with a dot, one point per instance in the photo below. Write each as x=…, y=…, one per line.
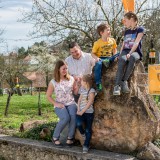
x=61, y=19
x=12, y=68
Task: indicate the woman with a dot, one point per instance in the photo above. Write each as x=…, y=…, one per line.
x=65, y=107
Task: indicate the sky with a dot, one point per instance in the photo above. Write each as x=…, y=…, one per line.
x=16, y=33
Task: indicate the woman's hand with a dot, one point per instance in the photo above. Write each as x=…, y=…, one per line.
x=59, y=105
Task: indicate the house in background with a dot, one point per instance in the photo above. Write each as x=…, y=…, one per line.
x=38, y=80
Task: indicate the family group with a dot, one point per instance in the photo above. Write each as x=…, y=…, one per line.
x=72, y=84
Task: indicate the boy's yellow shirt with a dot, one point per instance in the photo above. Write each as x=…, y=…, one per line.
x=104, y=48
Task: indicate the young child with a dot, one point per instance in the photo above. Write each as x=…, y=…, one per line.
x=104, y=51
x=85, y=110
x=130, y=52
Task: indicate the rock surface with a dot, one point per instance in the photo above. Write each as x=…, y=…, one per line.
x=149, y=152
x=12, y=148
x=127, y=122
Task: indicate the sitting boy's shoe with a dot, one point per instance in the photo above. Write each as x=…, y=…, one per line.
x=106, y=63
x=85, y=149
x=117, y=90
x=99, y=87
x=125, y=88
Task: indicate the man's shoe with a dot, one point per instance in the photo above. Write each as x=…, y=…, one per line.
x=106, y=63
x=125, y=88
x=99, y=87
x=85, y=149
x=117, y=90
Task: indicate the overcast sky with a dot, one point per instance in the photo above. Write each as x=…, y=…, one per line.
x=16, y=33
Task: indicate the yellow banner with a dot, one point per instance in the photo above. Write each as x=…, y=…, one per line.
x=154, y=79
x=128, y=5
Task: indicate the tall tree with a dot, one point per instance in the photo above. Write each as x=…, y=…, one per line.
x=60, y=19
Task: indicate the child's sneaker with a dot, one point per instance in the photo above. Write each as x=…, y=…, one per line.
x=83, y=137
x=117, y=90
x=85, y=149
x=99, y=87
x=106, y=63
x=125, y=88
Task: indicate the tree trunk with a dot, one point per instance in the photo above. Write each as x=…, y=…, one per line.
x=47, y=79
x=39, y=102
x=1, y=89
x=19, y=91
x=31, y=89
x=10, y=93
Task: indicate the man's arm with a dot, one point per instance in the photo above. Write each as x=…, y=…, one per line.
x=95, y=57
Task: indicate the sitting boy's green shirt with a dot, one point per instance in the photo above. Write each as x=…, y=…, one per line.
x=104, y=48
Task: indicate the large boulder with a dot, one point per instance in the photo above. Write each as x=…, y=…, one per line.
x=149, y=152
x=127, y=122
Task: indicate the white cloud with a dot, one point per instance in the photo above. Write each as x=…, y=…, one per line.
x=16, y=33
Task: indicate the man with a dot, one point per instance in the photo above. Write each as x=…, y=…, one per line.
x=79, y=63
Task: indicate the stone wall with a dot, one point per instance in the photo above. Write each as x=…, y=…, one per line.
x=12, y=148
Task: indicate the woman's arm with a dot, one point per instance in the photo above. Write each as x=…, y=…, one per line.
x=49, y=96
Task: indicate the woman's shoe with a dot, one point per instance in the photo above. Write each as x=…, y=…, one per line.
x=71, y=142
x=59, y=145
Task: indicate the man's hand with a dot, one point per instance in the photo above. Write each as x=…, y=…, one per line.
x=97, y=59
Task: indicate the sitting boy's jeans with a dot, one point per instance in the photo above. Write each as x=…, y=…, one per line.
x=87, y=119
x=98, y=67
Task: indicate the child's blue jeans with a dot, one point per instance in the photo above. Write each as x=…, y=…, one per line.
x=87, y=119
x=98, y=67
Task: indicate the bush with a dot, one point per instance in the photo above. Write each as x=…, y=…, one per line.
x=34, y=133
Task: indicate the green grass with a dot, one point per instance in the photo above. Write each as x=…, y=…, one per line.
x=24, y=108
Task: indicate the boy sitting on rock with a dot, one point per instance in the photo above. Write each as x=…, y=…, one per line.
x=104, y=51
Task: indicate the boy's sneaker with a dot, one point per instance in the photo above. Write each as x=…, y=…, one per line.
x=125, y=88
x=106, y=63
x=99, y=87
x=117, y=90
x=85, y=149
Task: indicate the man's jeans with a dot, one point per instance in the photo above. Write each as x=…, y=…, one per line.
x=125, y=66
x=87, y=119
x=98, y=67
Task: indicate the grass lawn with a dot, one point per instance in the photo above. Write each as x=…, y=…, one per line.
x=24, y=108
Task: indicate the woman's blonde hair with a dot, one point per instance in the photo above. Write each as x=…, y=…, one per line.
x=56, y=72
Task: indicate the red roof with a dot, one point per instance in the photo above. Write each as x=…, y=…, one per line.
x=38, y=79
